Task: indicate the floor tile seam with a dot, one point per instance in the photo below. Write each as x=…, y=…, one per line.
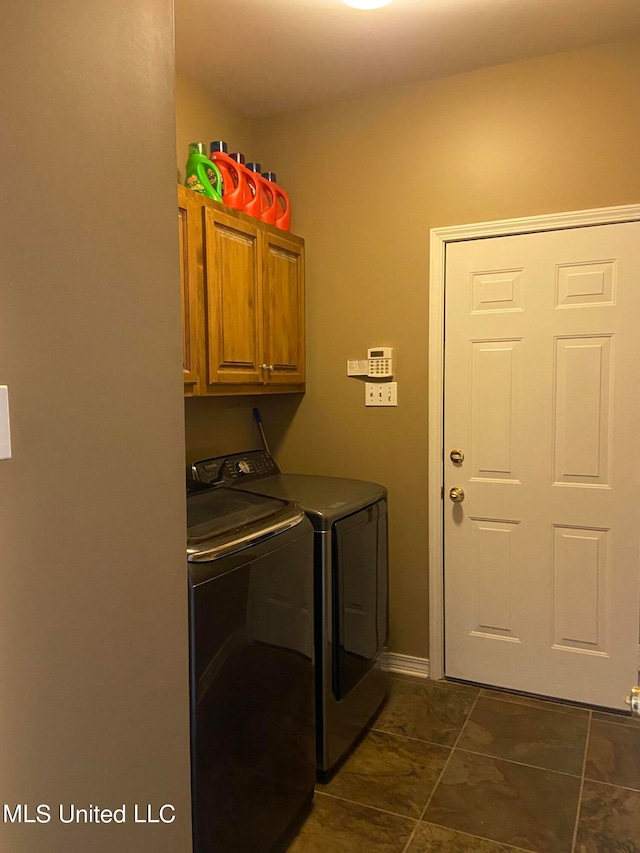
x=437, y=782
x=411, y=837
x=584, y=767
x=408, y=737
x=369, y=806
x=519, y=763
x=454, y=690
x=622, y=725
x=426, y=683
x=446, y=764
x=538, y=708
x=612, y=784
x=449, y=690
x=479, y=837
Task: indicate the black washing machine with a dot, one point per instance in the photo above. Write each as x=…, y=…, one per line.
x=250, y=571
x=349, y=519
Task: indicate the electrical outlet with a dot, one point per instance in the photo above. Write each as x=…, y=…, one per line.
x=381, y=393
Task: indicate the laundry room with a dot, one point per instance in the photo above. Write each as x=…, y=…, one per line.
x=368, y=176
x=136, y=714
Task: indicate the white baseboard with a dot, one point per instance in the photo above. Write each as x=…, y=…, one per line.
x=405, y=665
x=419, y=667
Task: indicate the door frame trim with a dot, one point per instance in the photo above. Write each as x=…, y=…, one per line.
x=440, y=237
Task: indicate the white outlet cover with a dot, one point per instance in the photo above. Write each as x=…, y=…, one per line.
x=5, y=432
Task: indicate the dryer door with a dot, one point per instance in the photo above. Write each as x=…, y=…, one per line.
x=360, y=566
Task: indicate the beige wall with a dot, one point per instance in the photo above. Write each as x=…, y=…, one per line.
x=93, y=609
x=202, y=116
x=368, y=178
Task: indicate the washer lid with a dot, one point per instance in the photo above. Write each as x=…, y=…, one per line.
x=218, y=513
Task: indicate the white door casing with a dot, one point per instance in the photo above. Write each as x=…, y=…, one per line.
x=542, y=574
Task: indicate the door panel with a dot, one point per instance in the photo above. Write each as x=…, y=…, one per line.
x=495, y=548
x=233, y=300
x=495, y=383
x=583, y=410
x=581, y=577
x=189, y=212
x=283, y=305
x=541, y=395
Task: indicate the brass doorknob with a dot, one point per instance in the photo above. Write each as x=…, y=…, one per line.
x=634, y=701
x=457, y=494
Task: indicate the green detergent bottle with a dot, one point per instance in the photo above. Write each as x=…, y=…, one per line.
x=202, y=175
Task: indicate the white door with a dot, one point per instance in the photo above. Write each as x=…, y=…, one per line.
x=542, y=388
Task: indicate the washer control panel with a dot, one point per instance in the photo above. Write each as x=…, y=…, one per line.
x=239, y=466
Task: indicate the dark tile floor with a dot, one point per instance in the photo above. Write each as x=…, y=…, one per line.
x=450, y=768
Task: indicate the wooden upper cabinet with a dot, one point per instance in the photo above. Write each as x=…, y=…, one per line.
x=190, y=257
x=242, y=301
x=232, y=300
x=283, y=308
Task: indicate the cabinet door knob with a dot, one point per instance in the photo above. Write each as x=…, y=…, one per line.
x=266, y=366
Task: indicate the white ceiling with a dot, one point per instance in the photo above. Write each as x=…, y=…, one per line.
x=267, y=56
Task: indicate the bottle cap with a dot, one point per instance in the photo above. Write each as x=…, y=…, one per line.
x=197, y=146
x=270, y=176
x=218, y=145
x=239, y=158
x=254, y=167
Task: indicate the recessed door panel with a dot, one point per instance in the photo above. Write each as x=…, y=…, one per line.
x=283, y=306
x=493, y=552
x=580, y=589
x=583, y=410
x=579, y=285
x=500, y=290
x=495, y=384
x=233, y=300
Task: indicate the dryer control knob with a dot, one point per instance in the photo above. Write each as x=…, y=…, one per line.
x=243, y=467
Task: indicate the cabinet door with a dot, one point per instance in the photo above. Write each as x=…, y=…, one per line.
x=189, y=231
x=283, y=308
x=233, y=305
